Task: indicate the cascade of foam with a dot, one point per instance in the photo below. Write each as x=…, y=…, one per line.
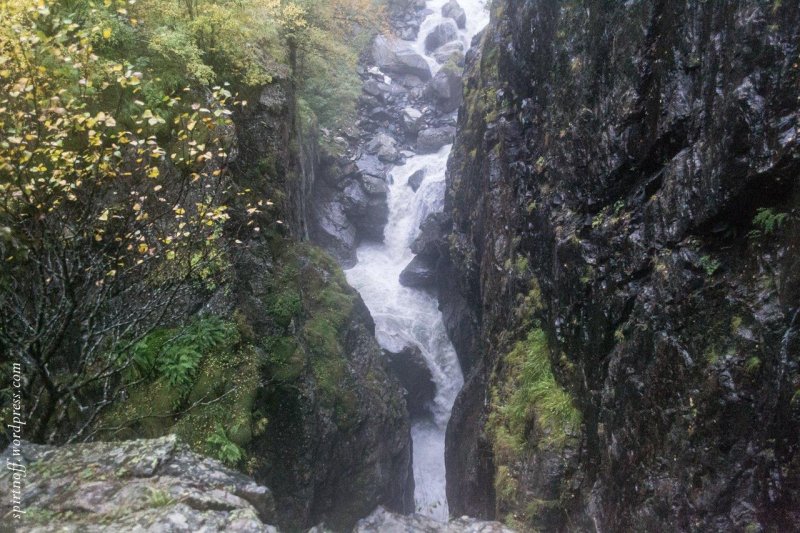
x=405, y=316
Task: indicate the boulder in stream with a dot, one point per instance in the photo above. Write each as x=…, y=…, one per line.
x=431, y=139
x=420, y=273
x=453, y=10
x=443, y=32
x=411, y=369
x=395, y=56
x=415, y=179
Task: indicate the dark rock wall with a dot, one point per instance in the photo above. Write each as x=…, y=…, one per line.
x=625, y=177
x=337, y=441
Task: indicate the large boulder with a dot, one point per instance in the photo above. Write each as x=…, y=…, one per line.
x=431, y=139
x=446, y=90
x=139, y=485
x=454, y=11
x=452, y=51
x=412, y=119
x=394, y=56
x=443, y=32
x=430, y=242
x=385, y=147
x=415, y=179
x=420, y=273
x=411, y=369
x=364, y=203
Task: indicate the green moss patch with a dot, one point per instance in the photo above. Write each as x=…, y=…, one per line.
x=216, y=392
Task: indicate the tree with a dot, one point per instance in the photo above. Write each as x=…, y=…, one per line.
x=110, y=211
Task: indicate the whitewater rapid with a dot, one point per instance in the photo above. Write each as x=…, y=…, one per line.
x=405, y=316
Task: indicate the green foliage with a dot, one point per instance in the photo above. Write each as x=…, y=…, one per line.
x=159, y=498
x=223, y=448
x=531, y=395
x=767, y=221
x=175, y=354
x=709, y=265
x=752, y=365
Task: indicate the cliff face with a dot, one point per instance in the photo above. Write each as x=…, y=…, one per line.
x=623, y=198
x=337, y=440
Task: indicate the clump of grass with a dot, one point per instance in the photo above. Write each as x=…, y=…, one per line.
x=535, y=395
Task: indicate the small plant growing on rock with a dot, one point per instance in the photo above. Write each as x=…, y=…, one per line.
x=159, y=498
x=709, y=265
x=223, y=448
x=767, y=221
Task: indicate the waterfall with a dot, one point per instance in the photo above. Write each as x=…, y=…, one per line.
x=405, y=316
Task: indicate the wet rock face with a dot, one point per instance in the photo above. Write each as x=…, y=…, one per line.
x=384, y=521
x=337, y=442
x=411, y=369
x=144, y=485
x=612, y=183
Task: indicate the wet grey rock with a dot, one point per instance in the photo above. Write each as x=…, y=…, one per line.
x=431, y=139
x=452, y=51
x=453, y=10
x=618, y=206
x=334, y=232
x=412, y=119
x=375, y=88
x=415, y=179
x=430, y=242
x=420, y=273
x=409, y=366
x=446, y=90
x=364, y=204
x=143, y=485
x=385, y=147
x=443, y=32
x=394, y=56
x=383, y=521
x=375, y=186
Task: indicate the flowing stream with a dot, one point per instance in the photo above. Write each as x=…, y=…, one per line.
x=405, y=316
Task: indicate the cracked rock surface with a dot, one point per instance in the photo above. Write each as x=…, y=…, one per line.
x=141, y=485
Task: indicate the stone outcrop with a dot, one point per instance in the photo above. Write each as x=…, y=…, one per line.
x=337, y=438
x=411, y=369
x=394, y=56
x=614, y=196
x=142, y=485
x=431, y=139
x=419, y=273
x=382, y=521
x=442, y=33
x=453, y=10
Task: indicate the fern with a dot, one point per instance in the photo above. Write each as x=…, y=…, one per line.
x=767, y=221
x=176, y=354
x=223, y=448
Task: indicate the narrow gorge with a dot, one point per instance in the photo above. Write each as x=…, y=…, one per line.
x=400, y=265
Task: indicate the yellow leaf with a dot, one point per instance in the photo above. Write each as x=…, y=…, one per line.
x=103, y=216
x=106, y=33
x=153, y=172
x=143, y=248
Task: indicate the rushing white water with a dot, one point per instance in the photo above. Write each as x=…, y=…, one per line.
x=405, y=316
